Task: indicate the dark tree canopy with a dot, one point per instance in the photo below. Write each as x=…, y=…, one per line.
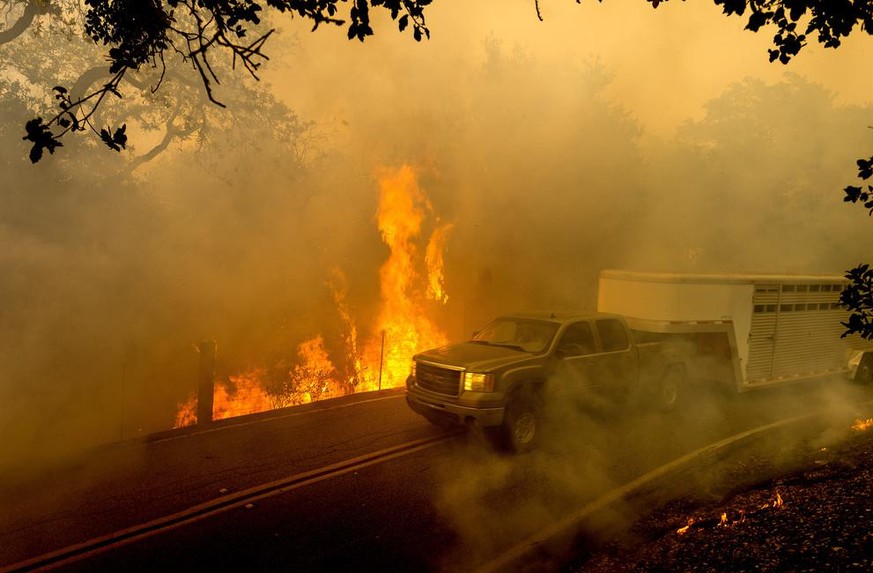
x=796, y=20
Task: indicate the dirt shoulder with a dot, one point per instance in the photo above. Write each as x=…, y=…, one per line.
x=815, y=514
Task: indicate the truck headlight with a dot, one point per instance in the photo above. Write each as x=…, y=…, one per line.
x=412, y=368
x=478, y=382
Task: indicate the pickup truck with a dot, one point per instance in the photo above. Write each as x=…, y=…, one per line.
x=504, y=379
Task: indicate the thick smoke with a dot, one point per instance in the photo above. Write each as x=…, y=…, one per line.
x=613, y=137
x=549, y=147
x=604, y=136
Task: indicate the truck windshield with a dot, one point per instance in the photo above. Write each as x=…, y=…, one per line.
x=525, y=334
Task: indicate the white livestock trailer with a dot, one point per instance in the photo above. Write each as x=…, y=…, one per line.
x=748, y=330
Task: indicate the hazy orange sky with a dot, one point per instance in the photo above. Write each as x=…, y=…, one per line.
x=667, y=62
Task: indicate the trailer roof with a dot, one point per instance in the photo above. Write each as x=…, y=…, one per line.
x=718, y=278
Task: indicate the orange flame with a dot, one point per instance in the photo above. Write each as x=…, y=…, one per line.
x=409, y=285
x=739, y=517
x=186, y=414
x=684, y=530
x=434, y=259
x=777, y=502
x=402, y=324
x=238, y=395
x=315, y=378
x=351, y=375
x=861, y=425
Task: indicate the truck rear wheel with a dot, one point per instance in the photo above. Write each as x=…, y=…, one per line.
x=522, y=421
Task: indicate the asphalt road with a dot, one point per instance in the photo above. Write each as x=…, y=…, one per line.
x=446, y=503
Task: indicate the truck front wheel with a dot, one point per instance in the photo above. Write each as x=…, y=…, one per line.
x=522, y=421
x=669, y=391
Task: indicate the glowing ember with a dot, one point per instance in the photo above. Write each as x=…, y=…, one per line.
x=728, y=521
x=777, y=502
x=684, y=530
x=411, y=283
x=861, y=425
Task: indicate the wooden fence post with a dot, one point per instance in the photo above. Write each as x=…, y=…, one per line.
x=205, y=382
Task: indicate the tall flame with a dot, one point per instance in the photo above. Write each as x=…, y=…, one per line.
x=410, y=284
x=402, y=323
x=353, y=367
x=436, y=246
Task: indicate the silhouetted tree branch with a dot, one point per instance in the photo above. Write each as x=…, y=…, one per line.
x=857, y=297
x=797, y=20
x=139, y=32
x=855, y=194
x=75, y=115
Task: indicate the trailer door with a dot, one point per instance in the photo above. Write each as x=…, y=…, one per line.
x=795, y=332
x=808, y=339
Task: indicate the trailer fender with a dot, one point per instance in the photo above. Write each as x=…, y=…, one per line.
x=864, y=370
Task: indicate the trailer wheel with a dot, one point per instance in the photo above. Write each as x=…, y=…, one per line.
x=668, y=393
x=522, y=422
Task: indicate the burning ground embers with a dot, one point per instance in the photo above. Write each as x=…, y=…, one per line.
x=725, y=520
x=813, y=518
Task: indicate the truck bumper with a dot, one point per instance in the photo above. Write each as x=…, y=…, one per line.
x=453, y=413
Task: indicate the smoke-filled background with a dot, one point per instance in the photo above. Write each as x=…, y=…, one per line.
x=607, y=136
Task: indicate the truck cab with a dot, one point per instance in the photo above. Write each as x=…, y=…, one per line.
x=503, y=377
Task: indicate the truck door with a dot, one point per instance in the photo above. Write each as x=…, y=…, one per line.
x=617, y=365
x=577, y=357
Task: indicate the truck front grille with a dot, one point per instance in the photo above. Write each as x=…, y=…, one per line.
x=437, y=379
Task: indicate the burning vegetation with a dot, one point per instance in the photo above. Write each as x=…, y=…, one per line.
x=812, y=517
x=411, y=286
x=736, y=517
